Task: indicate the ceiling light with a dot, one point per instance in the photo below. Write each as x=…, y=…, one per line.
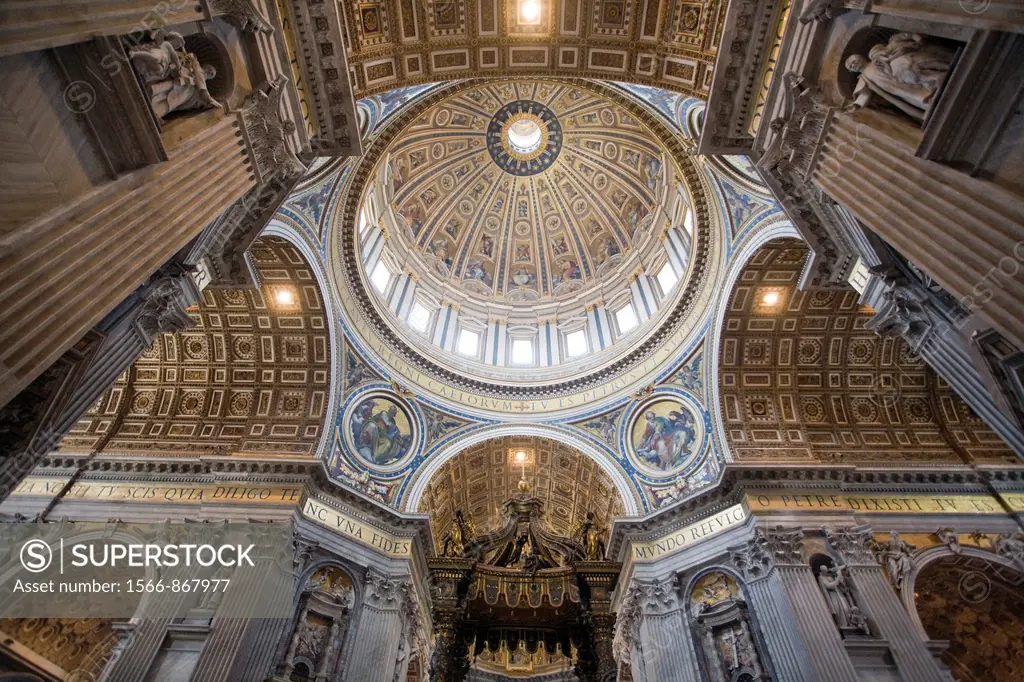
x=285, y=296
x=771, y=298
x=529, y=10
x=520, y=456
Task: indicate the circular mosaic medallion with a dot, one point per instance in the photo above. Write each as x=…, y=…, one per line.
x=524, y=137
x=379, y=429
x=666, y=435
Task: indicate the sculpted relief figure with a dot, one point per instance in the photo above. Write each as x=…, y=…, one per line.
x=896, y=554
x=906, y=72
x=174, y=79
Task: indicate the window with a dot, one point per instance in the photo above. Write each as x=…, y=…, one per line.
x=688, y=221
x=626, y=318
x=362, y=220
x=522, y=352
x=667, y=278
x=419, y=317
x=380, y=277
x=576, y=343
x=469, y=342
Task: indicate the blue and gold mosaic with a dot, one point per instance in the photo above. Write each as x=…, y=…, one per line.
x=511, y=160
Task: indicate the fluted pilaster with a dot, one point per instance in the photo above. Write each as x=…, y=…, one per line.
x=767, y=598
x=380, y=629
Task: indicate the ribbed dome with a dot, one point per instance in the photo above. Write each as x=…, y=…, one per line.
x=523, y=191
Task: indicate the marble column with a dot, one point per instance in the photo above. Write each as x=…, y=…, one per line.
x=813, y=619
x=379, y=630
x=774, y=617
x=853, y=547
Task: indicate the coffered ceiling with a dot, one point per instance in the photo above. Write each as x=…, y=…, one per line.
x=479, y=479
x=802, y=379
x=670, y=43
x=252, y=376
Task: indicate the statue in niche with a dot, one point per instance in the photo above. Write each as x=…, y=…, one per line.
x=457, y=536
x=590, y=535
x=906, y=72
x=840, y=600
x=173, y=79
x=897, y=556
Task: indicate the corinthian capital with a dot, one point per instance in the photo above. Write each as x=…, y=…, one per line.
x=851, y=543
x=385, y=592
x=163, y=302
x=786, y=545
x=753, y=559
x=267, y=133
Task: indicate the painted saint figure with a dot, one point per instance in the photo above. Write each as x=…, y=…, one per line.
x=667, y=439
x=377, y=435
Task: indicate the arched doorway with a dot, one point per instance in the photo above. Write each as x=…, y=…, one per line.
x=978, y=607
x=523, y=587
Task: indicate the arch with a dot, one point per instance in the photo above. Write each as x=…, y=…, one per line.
x=277, y=228
x=971, y=600
x=932, y=554
x=632, y=501
x=739, y=260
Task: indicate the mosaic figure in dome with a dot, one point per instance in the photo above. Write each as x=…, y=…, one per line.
x=559, y=246
x=652, y=171
x=524, y=278
x=476, y=272
x=487, y=246
x=380, y=431
x=413, y=217
x=570, y=271
x=607, y=249
x=397, y=167
x=668, y=435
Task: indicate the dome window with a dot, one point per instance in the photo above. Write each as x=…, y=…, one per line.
x=576, y=343
x=469, y=342
x=667, y=278
x=419, y=317
x=380, y=277
x=522, y=352
x=626, y=318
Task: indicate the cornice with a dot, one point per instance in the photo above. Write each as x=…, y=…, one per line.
x=738, y=479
